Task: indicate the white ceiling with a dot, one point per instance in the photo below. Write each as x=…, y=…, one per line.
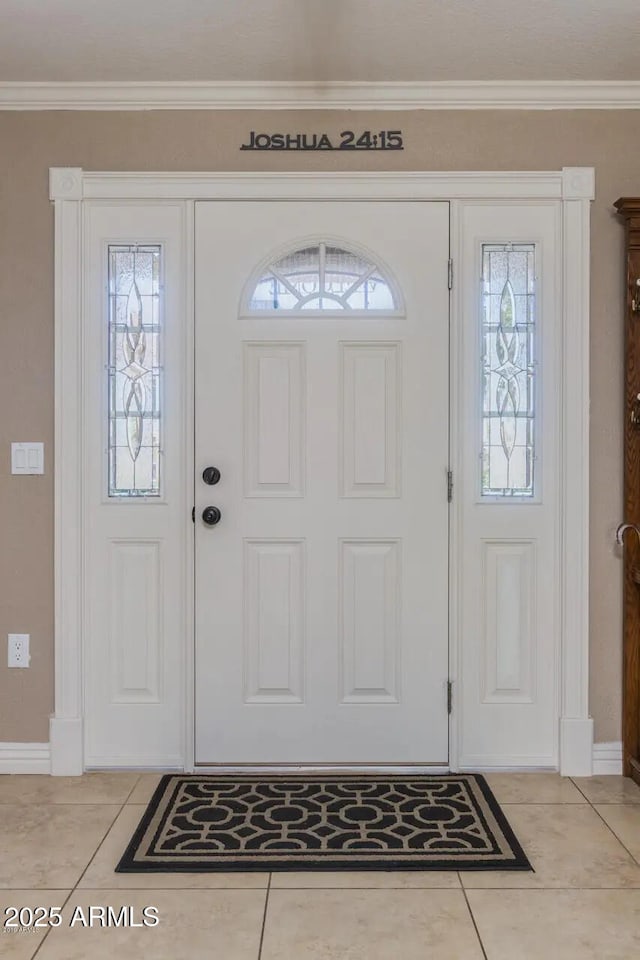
x=319, y=40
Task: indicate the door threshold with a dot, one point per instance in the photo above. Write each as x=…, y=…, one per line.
x=288, y=769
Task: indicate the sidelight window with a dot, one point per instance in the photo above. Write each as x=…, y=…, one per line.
x=508, y=370
x=134, y=370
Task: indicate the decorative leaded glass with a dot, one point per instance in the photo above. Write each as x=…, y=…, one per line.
x=134, y=371
x=508, y=373
x=324, y=278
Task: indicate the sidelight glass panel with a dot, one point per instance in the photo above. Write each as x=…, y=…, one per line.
x=322, y=277
x=508, y=370
x=134, y=370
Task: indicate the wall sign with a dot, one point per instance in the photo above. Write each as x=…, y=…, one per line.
x=347, y=140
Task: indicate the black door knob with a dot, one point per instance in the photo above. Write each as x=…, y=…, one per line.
x=211, y=475
x=211, y=516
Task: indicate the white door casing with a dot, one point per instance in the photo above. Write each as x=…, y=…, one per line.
x=571, y=189
x=321, y=595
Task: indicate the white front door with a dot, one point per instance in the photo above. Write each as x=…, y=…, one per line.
x=322, y=398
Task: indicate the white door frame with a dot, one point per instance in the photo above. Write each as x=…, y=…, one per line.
x=572, y=186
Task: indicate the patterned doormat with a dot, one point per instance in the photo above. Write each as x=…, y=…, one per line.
x=322, y=822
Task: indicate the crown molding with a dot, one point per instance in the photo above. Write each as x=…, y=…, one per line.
x=336, y=95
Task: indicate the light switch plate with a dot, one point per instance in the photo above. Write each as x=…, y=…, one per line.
x=27, y=458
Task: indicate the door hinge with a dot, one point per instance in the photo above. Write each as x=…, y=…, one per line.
x=193, y=515
x=450, y=274
x=449, y=485
x=449, y=695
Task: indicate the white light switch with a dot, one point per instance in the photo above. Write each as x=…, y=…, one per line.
x=27, y=458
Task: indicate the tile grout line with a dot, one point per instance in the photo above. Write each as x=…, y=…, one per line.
x=44, y=939
x=613, y=833
x=310, y=889
x=351, y=886
x=608, y=826
x=572, y=779
x=549, y=889
x=106, y=834
x=68, y=803
x=75, y=886
x=603, y=803
x=264, y=917
x=473, y=919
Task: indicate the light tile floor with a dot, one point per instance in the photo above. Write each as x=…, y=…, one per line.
x=60, y=839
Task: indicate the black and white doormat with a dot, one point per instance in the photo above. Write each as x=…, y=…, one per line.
x=322, y=822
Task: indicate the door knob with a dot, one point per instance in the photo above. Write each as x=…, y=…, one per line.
x=211, y=475
x=211, y=516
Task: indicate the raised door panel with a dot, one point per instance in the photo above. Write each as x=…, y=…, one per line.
x=136, y=620
x=509, y=570
x=274, y=591
x=274, y=419
x=370, y=620
x=370, y=419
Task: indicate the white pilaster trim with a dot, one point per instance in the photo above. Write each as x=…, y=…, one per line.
x=576, y=747
x=67, y=746
x=24, y=758
x=576, y=727
x=607, y=758
x=65, y=186
x=334, y=95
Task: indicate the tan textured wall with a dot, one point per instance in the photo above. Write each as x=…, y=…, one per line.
x=32, y=142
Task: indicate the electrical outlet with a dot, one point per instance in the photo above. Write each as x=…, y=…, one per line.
x=18, y=650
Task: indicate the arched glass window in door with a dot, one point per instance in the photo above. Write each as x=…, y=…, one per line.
x=323, y=278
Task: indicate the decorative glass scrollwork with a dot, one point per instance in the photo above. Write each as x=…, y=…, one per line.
x=508, y=370
x=134, y=371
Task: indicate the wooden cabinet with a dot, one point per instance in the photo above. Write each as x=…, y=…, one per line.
x=629, y=208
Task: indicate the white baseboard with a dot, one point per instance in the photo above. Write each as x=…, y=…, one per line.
x=607, y=758
x=25, y=758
